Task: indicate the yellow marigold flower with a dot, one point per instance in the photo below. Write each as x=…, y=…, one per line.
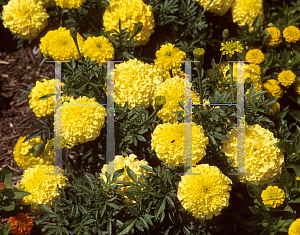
x=273, y=88
x=256, y=56
x=98, y=48
x=59, y=45
x=44, y=108
x=294, y=228
x=23, y=153
x=205, y=194
x=273, y=196
x=26, y=18
x=218, y=7
x=82, y=120
x=274, y=38
x=42, y=187
x=167, y=56
x=20, y=224
x=231, y=47
x=297, y=87
x=134, y=164
x=168, y=142
x=130, y=12
x=286, y=78
x=297, y=178
x=291, y=34
x=262, y=158
x=245, y=12
x=275, y=108
x=135, y=83
x=173, y=90
x=70, y=4
x=251, y=71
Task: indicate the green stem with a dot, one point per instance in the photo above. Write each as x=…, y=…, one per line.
x=199, y=71
x=231, y=79
x=155, y=111
x=206, y=7
x=64, y=158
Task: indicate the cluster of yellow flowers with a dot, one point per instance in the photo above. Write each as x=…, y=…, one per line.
x=26, y=18
x=130, y=12
x=273, y=196
x=273, y=88
x=70, y=4
x=173, y=90
x=135, y=83
x=263, y=159
x=119, y=163
x=168, y=142
x=274, y=38
x=205, y=194
x=59, y=45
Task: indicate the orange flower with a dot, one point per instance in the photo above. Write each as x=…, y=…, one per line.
x=2, y=186
x=20, y=224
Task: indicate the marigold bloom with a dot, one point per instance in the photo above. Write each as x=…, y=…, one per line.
x=44, y=108
x=286, y=78
x=70, y=4
x=251, y=71
x=294, y=228
x=26, y=18
x=205, y=194
x=256, y=56
x=82, y=120
x=167, y=56
x=297, y=87
x=130, y=12
x=274, y=38
x=42, y=187
x=168, y=142
x=173, y=90
x=231, y=47
x=218, y=7
x=262, y=158
x=20, y=224
x=135, y=83
x=59, y=45
x=245, y=12
x=273, y=88
x=98, y=48
x=23, y=153
x=275, y=107
x=291, y=34
x=273, y=196
x=297, y=178
x=134, y=164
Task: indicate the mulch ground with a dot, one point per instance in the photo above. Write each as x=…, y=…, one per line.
x=17, y=70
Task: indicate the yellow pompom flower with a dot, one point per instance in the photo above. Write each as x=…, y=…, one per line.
x=82, y=120
x=245, y=11
x=273, y=196
x=168, y=142
x=297, y=87
x=23, y=153
x=130, y=12
x=59, y=45
x=291, y=34
x=286, y=78
x=274, y=38
x=98, y=48
x=218, y=7
x=70, y=4
x=275, y=107
x=256, y=56
x=205, y=194
x=262, y=158
x=119, y=163
x=167, y=56
x=231, y=47
x=135, y=83
x=44, y=108
x=25, y=18
x=43, y=188
x=273, y=88
x=173, y=90
x=294, y=228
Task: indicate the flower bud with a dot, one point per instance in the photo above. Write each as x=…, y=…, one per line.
x=199, y=56
x=251, y=29
x=225, y=34
x=73, y=32
x=160, y=101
